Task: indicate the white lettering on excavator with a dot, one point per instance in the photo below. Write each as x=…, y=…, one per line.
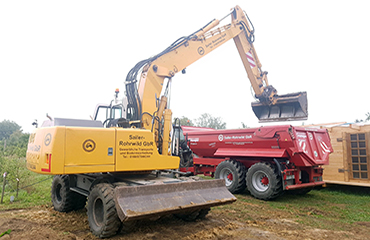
x=217, y=41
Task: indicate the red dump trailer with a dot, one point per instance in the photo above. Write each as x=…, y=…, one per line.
x=266, y=160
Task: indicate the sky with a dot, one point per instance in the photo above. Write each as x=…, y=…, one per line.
x=63, y=57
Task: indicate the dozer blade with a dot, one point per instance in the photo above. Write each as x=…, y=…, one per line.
x=146, y=201
x=288, y=107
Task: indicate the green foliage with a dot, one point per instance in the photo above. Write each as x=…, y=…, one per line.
x=35, y=192
x=6, y=232
x=184, y=121
x=16, y=169
x=366, y=119
x=7, y=128
x=13, y=147
x=207, y=120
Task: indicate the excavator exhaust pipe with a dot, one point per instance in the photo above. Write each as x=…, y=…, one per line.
x=146, y=201
x=288, y=107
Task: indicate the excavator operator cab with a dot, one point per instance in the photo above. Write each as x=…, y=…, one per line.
x=180, y=145
x=106, y=113
x=113, y=114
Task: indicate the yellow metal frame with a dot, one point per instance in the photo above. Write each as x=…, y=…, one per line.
x=73, y=150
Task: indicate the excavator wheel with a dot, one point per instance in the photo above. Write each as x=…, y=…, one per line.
x=101, y=211
x=203, y=213
x=192, y=216
x=63, y=199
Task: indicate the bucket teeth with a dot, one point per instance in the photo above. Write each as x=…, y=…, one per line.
x=289, y=107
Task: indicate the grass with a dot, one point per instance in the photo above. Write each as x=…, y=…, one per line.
x=331, y=208
x=35, y=195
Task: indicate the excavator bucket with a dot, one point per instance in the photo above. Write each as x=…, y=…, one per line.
x=288, y=107
x=146, y=201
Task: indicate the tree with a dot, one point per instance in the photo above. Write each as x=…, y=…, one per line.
x=207, y=120
x=366, y=119
x=7, y=128
x=184, y=121
x=16, y=144
x=13, y=148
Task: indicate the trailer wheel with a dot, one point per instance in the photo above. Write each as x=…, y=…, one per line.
x=61, y=196
x=101, y=211
x=263, y=181
x=234, y=174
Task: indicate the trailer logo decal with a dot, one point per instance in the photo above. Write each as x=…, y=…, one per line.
x=47, y=139
x=89, y=145
x=220, y=137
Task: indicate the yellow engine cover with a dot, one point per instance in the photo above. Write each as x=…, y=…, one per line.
x=74, y=150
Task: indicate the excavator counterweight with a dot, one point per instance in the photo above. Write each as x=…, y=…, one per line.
x=288, y=107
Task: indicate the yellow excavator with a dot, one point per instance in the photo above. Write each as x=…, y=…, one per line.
x=123, y=166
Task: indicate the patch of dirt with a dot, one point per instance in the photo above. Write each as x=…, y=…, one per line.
x=258, y=223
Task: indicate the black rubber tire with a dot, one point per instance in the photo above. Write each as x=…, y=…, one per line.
x=63, y=199
x=188, y=217
x=61, y=196
x=101, y=211
x=192, y=216
x=255, y=175
x=237, y=169
x=127, y=227
x=203, y=213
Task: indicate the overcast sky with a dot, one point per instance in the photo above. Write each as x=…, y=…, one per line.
x=64, y=57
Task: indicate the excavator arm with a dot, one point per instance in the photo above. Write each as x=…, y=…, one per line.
x=146, y=110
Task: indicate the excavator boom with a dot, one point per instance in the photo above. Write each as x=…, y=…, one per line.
x=269, y=107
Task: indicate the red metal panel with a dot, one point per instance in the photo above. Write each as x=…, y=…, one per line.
x=304, y=185
x=253, y=152
x=208, y=161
